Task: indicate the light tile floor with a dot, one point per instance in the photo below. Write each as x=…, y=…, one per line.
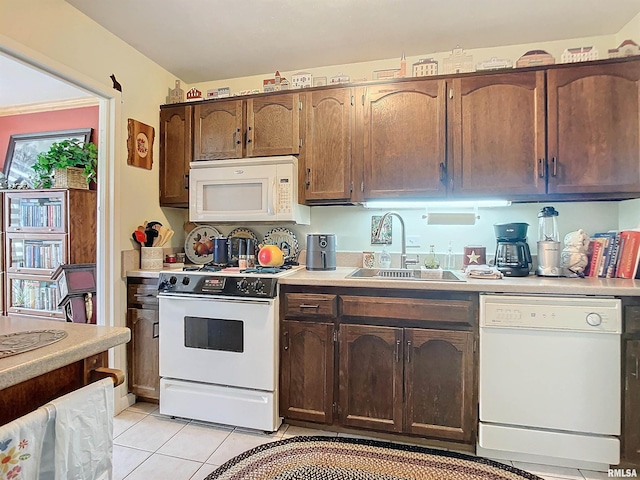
x=150, y=445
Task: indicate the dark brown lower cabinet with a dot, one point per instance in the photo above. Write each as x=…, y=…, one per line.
x=395, y=364
x=631, y=428
x=144, y=377
x=306, y=371
x=371, y=377
x=438, y=384
x=407, y=380
x=143, y=370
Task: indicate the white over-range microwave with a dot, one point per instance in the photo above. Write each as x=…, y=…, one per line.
x=261, y=189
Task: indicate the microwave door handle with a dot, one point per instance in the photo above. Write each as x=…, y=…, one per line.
x=271, y=208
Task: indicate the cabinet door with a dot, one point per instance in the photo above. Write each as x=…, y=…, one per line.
x=273, y=125
x=594, y=128
x=306, y=371
x=497, y=134
x=218, y=130
x=371, y=377
x=631, y=428
x=175, y=155
x=329, y=127
x=404, y=140
x=142, y=353
x=439, y=384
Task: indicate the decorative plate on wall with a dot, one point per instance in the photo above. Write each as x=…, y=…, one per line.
x=198, y=247
x=286, y=240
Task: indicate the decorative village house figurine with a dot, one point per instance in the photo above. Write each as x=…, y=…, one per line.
x=627, y=48
x=275, y=84
x=425, y=67
x=176, y=95
x=392, y=72
x=194, y=94
x=458, y=62
x=579, y=54
x=494, y=64
x=339, y=78
x=535, y=58
x=301, y=80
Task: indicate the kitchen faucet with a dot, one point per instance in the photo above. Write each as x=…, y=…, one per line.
x=403, y=255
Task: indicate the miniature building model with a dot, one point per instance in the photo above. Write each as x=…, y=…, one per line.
x=534, y=58
x=340, y=78
x=392, y=72
x=194, y=94
x=458, y=62
x=302, y=80
x=494, y=64
x=425, y=67
x=580, y=54
x=627, y=48
x=275, y=84
x=176, y=95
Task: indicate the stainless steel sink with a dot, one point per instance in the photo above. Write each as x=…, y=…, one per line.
x=403, y=274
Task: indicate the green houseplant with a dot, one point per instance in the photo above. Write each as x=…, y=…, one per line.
x=65, y=154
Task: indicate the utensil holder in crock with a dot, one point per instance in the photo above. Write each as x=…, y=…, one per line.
x=151, y=258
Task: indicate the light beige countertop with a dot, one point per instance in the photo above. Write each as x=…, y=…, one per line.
x=82, y=341
x=531, y=284
x=526, y=285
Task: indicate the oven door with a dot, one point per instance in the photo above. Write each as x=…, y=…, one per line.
x=219, y=340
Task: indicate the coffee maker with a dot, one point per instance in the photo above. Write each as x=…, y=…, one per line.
x=513, y=257
x=549, y=251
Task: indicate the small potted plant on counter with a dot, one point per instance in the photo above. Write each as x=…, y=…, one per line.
x=67, y=164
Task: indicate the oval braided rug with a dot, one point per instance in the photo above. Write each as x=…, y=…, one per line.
x=340, y=458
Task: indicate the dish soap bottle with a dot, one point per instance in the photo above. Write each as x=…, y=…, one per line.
x=431, y=259
x=448, y=258
x=385, y=258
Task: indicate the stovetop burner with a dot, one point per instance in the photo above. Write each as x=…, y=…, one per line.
x=212, y=280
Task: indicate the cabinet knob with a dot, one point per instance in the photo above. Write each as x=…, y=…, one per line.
x=554, y=167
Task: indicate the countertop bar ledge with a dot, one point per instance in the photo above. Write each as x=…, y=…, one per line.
x=82, y=341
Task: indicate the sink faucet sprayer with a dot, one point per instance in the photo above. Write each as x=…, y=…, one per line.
x=403, y=255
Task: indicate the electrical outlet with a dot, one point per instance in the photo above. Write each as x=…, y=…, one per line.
x=413, y=241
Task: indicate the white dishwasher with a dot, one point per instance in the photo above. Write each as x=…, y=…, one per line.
x=550, y=380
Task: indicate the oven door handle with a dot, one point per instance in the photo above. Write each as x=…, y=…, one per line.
x=196, y=296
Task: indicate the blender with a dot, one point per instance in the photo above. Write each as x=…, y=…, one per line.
x=548, y=243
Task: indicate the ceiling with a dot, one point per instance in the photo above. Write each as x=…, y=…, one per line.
x=205, y=40
x=21, y=84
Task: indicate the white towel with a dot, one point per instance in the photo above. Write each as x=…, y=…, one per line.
x=84, y=433
x=21, y=446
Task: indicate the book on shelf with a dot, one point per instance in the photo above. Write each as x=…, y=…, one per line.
x=594, y=254
x=609, y=241
x=629, y=254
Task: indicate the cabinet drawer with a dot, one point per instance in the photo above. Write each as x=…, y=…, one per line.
x=142, y=294
x=310, y=305
x=447, y=311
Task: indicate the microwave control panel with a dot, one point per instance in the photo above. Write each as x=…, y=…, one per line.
x=284, y=195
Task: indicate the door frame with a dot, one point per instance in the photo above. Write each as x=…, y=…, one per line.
x=109, y=287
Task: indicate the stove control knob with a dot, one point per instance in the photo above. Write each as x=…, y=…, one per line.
x=185, y=280
x=173, y=280
x=242, y=284
x=594, y=319
x=258, y=285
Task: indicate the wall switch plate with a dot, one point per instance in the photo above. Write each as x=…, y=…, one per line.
x=413, y=241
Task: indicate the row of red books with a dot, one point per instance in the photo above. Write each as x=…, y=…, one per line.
x=614, y=254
